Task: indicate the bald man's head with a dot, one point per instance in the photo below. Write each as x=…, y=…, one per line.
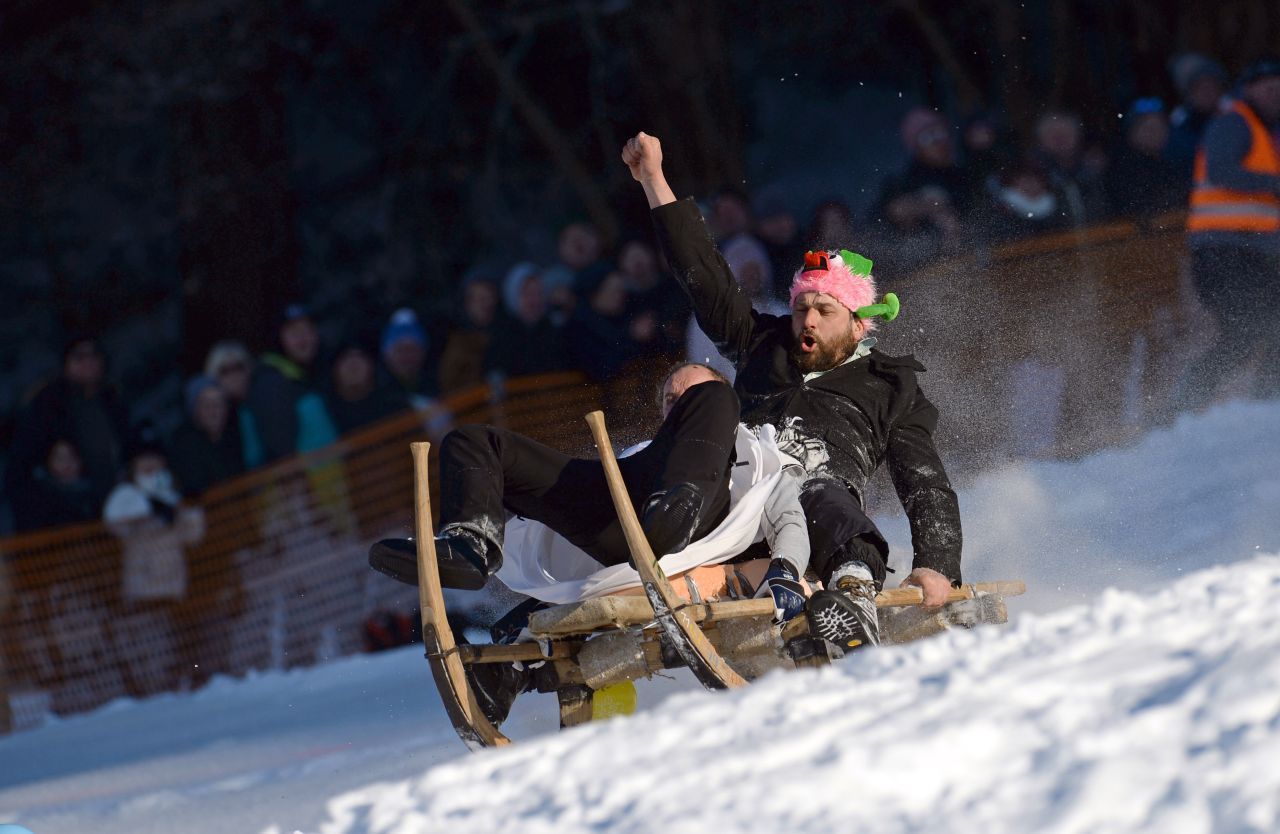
x=683, y=377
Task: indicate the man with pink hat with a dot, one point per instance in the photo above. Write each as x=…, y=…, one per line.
x=840, y=406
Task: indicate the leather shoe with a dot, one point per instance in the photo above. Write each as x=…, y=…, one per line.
x=670, y=518
x=462, y=559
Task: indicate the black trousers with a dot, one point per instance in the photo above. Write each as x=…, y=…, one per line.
x=1240, y=287
x=486, y=472
x=840, y=531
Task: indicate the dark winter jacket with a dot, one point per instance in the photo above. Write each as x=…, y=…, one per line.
x=288, y=413
x=1139, y=185
x=518, y=349
x=601, y=345
x=96, y=424
x=199, y=462
x=45, y=502
x=840, y=425
x=952, y=181
x=380, y=403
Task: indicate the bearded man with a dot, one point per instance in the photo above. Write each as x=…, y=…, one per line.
x=840, y=407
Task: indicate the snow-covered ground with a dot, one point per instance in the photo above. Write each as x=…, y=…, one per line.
x=1154, y=708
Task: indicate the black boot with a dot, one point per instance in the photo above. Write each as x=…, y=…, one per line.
x=464, y=559
x=845, y=615
x=496, y=685
x=670, y=518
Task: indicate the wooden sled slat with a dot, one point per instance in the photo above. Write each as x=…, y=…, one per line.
x=682, y=630
x=624, y=611
x=914, y=596
x=446, y=665
x=515, y=652
x=749, y=641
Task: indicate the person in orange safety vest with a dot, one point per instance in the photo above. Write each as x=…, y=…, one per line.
x=1233, y=230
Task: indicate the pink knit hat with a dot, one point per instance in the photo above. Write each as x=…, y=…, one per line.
x=844, y=276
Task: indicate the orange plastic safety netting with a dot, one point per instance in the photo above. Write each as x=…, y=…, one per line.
x=275, y=564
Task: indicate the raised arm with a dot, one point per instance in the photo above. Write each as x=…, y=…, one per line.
x=643, y=155
x=722, y=308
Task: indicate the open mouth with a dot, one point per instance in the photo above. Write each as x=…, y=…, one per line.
x=808, y=343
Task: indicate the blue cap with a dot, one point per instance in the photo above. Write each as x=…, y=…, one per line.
x=295, y=311
x=1146, y=106
x=404, y=324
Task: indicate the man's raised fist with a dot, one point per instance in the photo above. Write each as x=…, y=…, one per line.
x=643, y=155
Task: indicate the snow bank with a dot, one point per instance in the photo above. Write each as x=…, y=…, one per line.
x=1136, y=713
x=1204, y=491
x=1154, y=710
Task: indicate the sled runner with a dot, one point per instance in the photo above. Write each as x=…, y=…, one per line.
x=590, y=652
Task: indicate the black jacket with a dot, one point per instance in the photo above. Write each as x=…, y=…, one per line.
x=518, y=349
x=46, y=503
x=198, y=462
x=602, y=345
x=97, y=425
x=841, y=425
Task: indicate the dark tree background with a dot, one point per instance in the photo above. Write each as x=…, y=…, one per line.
x=174, y=172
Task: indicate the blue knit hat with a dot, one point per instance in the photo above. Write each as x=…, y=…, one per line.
x=404, y=324
x=196, y=386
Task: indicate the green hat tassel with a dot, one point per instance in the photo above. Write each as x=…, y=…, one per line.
x=887, y=309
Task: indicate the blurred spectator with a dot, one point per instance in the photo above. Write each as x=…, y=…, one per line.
x=1202, y=86
x=404, y=355
x=462, y=362
x=1142, y=180
x=730, y=214
x=932, y=194
x=1074, y=171
x=145, y=513
x=1234, y=233
x=58, y=493
x=354, y=398
x=602, y=337
x=779, y=233
x=638, y=264
x=80, y=406
x=525, y=342
x=206, y=448
x=578, y=247
x=830, y=228
x=231, y=365
x=1023, y=204
x=750, y=265
x=287, y=410
x=655, y=295
x=986, y=154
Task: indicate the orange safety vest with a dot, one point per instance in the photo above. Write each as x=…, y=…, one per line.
x=1224, y=210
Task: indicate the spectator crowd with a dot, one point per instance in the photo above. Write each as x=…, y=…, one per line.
x=596, y=309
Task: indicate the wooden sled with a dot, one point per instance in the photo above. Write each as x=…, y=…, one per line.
x=589, y=647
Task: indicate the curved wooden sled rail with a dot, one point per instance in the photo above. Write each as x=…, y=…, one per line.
x=437, y=636
x=599, y=642
x=680, y=627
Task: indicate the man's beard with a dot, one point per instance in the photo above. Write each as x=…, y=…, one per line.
x=826, y=355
